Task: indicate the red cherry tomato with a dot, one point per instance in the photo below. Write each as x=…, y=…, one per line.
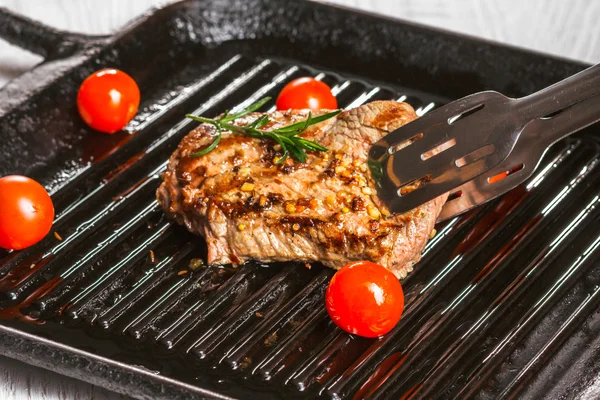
x=26, y=214
x=365, y=299
x=108, y=99
x=306, y=93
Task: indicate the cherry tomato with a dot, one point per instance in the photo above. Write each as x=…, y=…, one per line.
x=26, y=214
x=365, y=299
x=108, y=99
x=306, y=93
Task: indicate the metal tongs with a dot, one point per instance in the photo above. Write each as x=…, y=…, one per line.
x=481, y=146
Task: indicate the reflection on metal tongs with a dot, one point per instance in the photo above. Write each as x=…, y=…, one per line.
x=481, y=146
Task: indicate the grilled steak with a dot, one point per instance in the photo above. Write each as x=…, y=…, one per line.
x=248, y=207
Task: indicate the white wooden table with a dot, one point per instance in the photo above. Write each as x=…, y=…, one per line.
x=565, y=28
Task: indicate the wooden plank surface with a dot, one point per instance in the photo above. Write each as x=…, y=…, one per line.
x=564, y=28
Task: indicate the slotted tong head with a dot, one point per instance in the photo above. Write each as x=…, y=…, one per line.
x=480, y=146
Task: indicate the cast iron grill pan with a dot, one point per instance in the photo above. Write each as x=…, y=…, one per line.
x=504, y=303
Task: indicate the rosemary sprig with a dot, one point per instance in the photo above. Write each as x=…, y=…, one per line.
x=287, y=136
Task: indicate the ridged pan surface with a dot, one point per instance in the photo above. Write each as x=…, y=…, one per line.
x=504, y=303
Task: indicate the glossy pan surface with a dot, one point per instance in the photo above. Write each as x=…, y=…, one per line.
x=504, y=303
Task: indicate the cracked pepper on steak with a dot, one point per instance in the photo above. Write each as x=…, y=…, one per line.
x=325, y=210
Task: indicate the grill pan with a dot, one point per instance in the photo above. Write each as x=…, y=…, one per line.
x=504, y=303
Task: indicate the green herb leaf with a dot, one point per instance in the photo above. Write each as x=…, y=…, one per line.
x=200, y=119
x=246, y=111
x=287, y=136
x=210, y=147
x=324, y=117
x=311, y=145
x=376, y=170
x=283, y=149
x=298, y=154
x=303, y=125
x=260, y=121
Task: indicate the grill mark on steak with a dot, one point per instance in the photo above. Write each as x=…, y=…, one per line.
x=248, y=207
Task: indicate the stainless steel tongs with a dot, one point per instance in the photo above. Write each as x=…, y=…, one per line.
x=480, y=146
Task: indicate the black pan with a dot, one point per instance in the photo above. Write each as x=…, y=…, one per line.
x=504, y=303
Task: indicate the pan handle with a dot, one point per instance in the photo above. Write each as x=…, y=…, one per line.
x=39, y=38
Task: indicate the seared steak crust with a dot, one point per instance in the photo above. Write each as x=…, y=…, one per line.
x=248, y=207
